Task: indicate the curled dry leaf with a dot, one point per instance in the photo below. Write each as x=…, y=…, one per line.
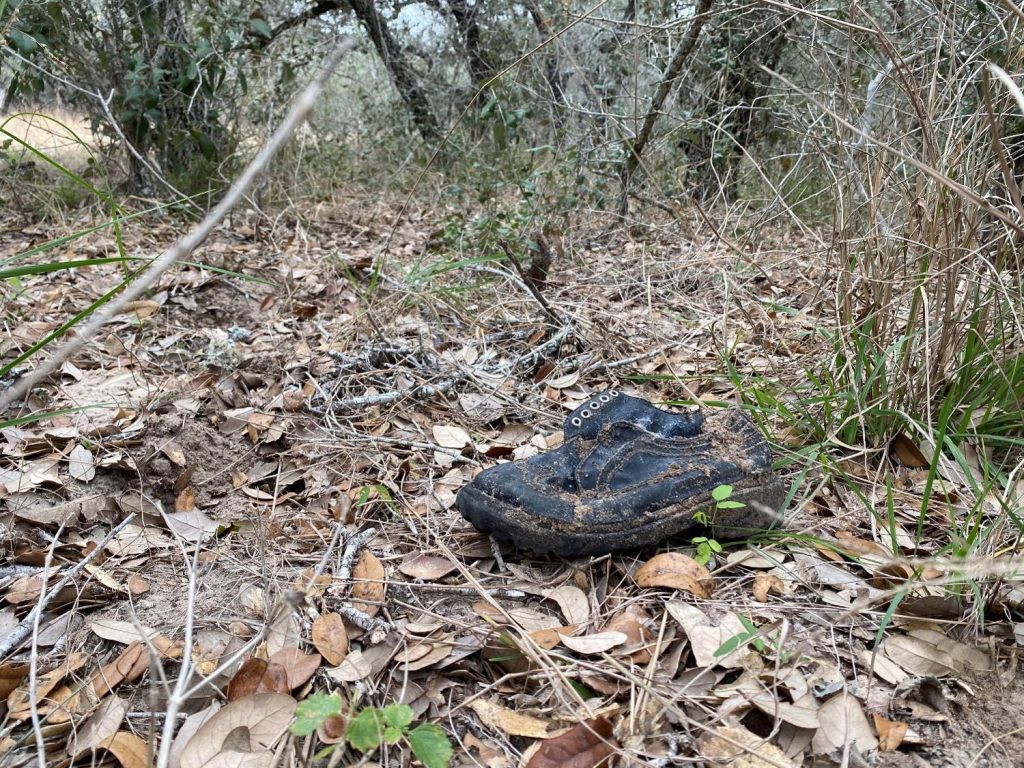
x=676, y=571
x=81, y=464
x=587, y=745
x=331, y=638
x=426, y=567
x=242, y=733
x=368, y=583
x=630, y=622
x=890, y=733
x=500, y=718
x=11, y=676
x=766, y=583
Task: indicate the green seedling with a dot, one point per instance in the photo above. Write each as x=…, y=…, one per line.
x=370, y=727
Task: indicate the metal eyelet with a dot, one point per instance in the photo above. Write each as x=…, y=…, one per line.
x=595, y=405
x=585, y=414
x=604, y=398
x=576, y=421
x=613, y=392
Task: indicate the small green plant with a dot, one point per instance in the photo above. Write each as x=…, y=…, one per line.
x=705, y=549
x=721, y=494
x=372, y=726
x=755, y=636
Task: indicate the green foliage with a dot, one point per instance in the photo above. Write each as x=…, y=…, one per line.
x=373, y=726
x=314, y=711
x=705, y=549
x=174, y=73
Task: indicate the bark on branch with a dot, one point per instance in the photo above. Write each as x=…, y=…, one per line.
x=635, y=148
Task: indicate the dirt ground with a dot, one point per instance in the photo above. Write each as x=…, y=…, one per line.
x=258, y=429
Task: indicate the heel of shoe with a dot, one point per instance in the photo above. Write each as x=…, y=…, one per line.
x=762, y=500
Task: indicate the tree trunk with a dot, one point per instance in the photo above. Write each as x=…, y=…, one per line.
x=401, y=73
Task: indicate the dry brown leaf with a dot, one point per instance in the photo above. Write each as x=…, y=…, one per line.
x=549, y=638
x=331, y=638
x=332, y=731
x=739, y=748
x=450, y=436
x=437, y=653
x=352, y=668
x=126, y=668
x=101, y=725
x=426, y=567
x=842, y=722
x=368, y=584
x=299, y=667
x=638, y=637
x=18, y=701
x=81, y=464
x=257, y=676
x=123, y=632
x=706, y=636
x=137, y=585
x=572, y=601
x=802, y=716
x=283, y=631
x=676, y=571
x=500, y=718
x=890, y=733
x=11, y=676
x=244, y=730
x=919, y=657
x=129, y=749
x=192, y=526
x=486, y=751
x=599, y=642
x=589, y=744
x=766, y=583
x=907, y=452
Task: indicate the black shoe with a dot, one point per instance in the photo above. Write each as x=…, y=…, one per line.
x=628, y=488
x=611, y=406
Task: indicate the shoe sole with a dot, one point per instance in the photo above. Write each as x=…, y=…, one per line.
x=762, y=496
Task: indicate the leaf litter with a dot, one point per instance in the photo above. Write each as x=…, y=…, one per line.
x=302, y=472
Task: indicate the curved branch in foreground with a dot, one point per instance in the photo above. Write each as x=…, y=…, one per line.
x=301, y=107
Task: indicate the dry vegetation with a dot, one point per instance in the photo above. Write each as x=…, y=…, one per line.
x=228, y=524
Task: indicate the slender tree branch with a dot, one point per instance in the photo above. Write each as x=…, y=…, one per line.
x=296, y=115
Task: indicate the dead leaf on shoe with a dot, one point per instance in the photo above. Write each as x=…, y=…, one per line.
x=331, y=638
x=589, y=744
x=500, y=718
x=244, y=730
x=368, y=584
x=676, y=571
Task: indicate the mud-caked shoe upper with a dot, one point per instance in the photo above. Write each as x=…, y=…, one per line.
x=611, y=406
x=628, y=487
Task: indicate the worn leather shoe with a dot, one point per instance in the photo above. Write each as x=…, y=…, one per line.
x=627, y=487
x=610, y=406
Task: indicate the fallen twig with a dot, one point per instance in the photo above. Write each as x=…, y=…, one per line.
x=24, y=628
